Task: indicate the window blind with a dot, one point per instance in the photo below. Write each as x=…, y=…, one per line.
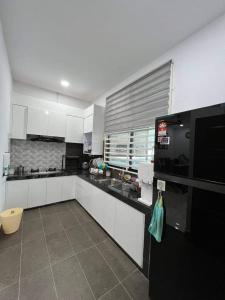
x=138, y=104
x=128, y=149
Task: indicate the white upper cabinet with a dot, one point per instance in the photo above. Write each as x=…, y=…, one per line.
x=88, y=124
x=94, y=123
x=74, y=129
x=19, y=122
x=45, y=122
x=56, y=124
x=37, y=121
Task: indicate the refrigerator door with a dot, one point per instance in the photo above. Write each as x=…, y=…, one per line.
x=189, y=263
x=172, y=143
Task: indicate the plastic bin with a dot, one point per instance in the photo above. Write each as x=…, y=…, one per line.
x=10, y=219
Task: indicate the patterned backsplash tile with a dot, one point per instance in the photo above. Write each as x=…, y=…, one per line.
x=35, y=154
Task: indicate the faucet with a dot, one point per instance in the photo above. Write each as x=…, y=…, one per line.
x=121, y=174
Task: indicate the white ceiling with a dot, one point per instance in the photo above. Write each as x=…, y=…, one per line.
x=95, y=44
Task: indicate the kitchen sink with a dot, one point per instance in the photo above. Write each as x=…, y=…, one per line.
x=114, y=184
x=109, y=181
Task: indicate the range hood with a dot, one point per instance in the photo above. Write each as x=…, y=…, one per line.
x=44, y=138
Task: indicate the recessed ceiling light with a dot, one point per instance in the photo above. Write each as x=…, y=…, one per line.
x=65, y=83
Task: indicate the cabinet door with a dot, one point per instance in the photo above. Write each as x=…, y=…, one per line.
x=17, y=194
x=37, y=192
x=106, y=211
x=74, y=129
x=37, y=121
x=54, y=189
x=19, y=122
x=56, y=124
x=88, y=124
x=129, y=230
x=79, y=191
x=68, y=187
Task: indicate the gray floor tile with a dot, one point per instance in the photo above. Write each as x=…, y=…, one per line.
x=52, y=224
x=137, y=286
x=68, y=219
x=9, y=293
x=58, y=246
x=31, y=214
x=96, y=233
x=79, y=239
x=34, y=257
x=70, y=281
x=39, y=286
x=99, y=275
x=48, y=210
x=118, y=293
x=9, y=240
x=9, y=266
x=116, y=258
x=82, y=216
x=32, y=230
x=62, y=206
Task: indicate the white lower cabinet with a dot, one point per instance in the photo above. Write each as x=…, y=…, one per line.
x=37, y=192
x=68, y=187
x=41, y=191
x=123, y=222
x=17, y=194
x=129, y=230
x=53, y=189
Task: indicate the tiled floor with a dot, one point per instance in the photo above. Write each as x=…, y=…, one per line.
x=60, y=252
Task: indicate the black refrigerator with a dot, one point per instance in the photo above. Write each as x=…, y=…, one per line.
x=189, y=263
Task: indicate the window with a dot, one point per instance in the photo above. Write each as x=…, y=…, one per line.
x=130, y=110
x=128, y=149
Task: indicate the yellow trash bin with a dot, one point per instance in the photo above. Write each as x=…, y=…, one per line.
x=10, y=219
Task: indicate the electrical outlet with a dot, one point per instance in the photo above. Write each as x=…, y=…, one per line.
x=161, y=185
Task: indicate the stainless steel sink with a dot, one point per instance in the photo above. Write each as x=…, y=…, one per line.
x=102, y=180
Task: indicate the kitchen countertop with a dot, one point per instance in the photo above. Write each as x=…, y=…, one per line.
x=130, y=198
x=42, y=175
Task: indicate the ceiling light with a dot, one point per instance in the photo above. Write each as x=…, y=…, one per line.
x=65, y=83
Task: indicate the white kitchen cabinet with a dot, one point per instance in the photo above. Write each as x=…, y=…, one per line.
x=37, y=121
x=88, y=124
x=17, y=194
x=37, y=192
x=56, y=124
x=129, y=230
x=74, y=129
x=54, y=189
x=94, y=130
x=105, y=212
x=124, y=223
x=68, y=187
x=19, y=122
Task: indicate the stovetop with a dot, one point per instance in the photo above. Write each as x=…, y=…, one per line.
x=47, y=171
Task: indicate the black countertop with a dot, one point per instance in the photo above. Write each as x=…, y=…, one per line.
x=42, y=175
x=130, y=198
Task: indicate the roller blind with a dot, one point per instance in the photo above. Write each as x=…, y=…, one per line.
x=138, y=104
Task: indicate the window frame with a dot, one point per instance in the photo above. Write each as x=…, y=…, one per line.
x=130, y=146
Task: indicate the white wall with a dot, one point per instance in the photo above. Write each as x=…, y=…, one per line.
x=199, y=69
x=5, y=93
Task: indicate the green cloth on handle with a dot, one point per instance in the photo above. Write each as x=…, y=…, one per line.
x=156, y=224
